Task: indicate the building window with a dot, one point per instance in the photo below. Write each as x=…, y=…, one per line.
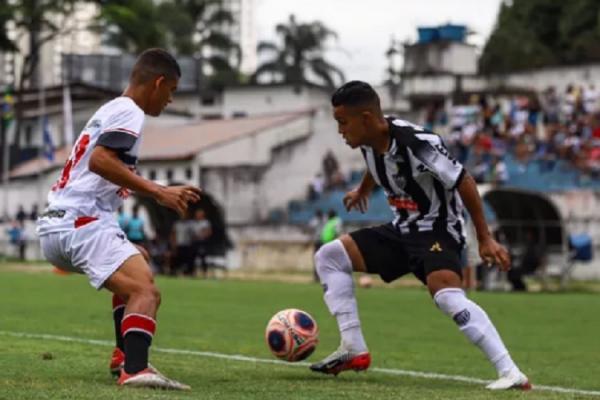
x=152, y=175
x=169, y=174
x=188, y=173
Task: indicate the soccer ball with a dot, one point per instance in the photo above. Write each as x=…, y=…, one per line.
x=292, y=335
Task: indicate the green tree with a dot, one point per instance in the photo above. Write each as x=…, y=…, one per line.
x=299, y=58
x=187, y=27
x=537, y=33
x=40, y=21
x=131, y=25
x=198, y=28
x=6, y=14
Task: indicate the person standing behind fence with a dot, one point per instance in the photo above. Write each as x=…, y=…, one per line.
x=181, y=240
x=201, y=231
x=135, y=228
x=332, y=228
x=123, y=219
x=17, y=238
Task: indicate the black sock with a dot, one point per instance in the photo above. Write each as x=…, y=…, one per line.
x=137, y=330
x=118, y=311
x=137, y=345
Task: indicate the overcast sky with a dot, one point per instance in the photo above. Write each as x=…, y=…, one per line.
x=365, y=27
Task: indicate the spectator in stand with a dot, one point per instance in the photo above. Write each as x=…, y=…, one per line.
x=316, y=187
x=570, y=103
x=334, y=179
x=590, y=99
x=499, y=171
x=551, y=106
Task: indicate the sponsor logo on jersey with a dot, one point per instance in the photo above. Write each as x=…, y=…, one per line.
x=403, y=203
x=95, y=123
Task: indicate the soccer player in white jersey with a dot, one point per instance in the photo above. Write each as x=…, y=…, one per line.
x=426, y=189
x=79, y=232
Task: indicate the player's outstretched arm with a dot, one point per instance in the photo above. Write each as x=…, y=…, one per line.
x=106, y=163
x=359, y=198
x=489, y=250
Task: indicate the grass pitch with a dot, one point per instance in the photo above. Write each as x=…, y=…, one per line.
x=553, y=337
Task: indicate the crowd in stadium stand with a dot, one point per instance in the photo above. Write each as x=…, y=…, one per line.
x=548, y=127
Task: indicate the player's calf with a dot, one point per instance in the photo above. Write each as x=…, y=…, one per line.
x=475, y=324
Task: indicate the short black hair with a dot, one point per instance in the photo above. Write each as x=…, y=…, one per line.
x=355, y=93
x=153, y=63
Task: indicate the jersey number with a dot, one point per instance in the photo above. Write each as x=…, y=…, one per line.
x=79, y=151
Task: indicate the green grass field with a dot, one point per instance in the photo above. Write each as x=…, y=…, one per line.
x=554, y=337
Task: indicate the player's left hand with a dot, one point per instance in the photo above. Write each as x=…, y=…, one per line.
x=492, y=252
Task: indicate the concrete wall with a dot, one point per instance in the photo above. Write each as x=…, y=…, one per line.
x=460, y=59
x=274, y=167
x=539, y=80
x=271, y=99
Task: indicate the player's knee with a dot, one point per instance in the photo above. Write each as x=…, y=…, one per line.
x=148, y=293
x=442, y=279
x=328, y=257
x=450, y=300
x=156, y=296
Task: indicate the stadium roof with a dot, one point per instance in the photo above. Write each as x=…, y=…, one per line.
x=177, y=140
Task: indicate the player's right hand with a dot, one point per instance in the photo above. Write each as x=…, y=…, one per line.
x=178, y=197
x=356, y=200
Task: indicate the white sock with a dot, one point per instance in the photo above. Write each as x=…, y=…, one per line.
x=335, y=272
x=477, y=327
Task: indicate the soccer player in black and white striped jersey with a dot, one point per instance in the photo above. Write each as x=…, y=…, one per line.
x=427, y=190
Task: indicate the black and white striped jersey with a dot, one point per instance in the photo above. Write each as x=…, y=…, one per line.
x=420, y=179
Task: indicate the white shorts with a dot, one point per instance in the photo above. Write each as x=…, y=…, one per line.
x=96, y=249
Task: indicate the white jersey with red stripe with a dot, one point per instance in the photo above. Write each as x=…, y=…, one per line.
x=80, y=193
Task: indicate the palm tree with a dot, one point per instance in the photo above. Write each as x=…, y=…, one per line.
x=187, y=27
x=300, y=55
x=39, y=21
x=127, y=27
x=198, y=28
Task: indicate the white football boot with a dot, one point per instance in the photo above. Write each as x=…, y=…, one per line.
x=150, y=378
x=514, y=379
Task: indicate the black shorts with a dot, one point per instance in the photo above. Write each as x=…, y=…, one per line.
x=391, y=255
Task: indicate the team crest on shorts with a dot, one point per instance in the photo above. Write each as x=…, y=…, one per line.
x=436, y=247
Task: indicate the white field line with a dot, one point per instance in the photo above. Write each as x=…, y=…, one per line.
x=236, y=357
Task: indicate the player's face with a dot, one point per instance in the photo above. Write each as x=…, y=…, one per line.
x=162, y=94
x=351, y=125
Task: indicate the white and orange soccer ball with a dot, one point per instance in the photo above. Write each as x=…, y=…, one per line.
x=292, y=335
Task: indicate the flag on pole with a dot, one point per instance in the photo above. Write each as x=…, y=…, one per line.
x=48, y=145
x=8, y=103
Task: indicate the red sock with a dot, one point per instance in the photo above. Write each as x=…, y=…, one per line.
x=138, y=331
